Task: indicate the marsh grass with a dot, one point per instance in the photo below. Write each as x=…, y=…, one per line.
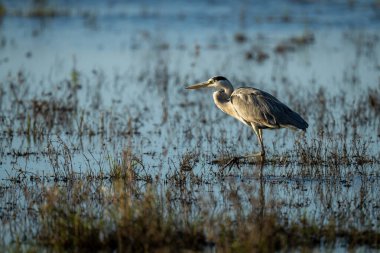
x=155, y=187
x=128, y=168
x=122, y=209
x=295, y=43
x=334, y=152
x=45, y=12
x=37, y=9
x=268, y=235
x=321, y=151
x=3, y=10
x=121, y=215
x=127, y=223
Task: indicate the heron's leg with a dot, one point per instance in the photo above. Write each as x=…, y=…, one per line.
x=259, y=134
x=261, y=142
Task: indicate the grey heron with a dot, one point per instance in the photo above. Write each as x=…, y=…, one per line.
x=255, y=108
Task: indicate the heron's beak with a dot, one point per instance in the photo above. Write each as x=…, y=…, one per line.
x=198, y=86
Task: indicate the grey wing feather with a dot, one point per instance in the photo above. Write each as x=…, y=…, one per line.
x=263, y=109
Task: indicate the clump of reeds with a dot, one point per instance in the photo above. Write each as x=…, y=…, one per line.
x=127, y=167
x=3, y=10
x=182, y=174
x=129, y=220
x=126, y=224
x=268, y=234
x=334, y=151
x=294, y=43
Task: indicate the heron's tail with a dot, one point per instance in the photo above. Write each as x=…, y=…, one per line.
x=295, y=121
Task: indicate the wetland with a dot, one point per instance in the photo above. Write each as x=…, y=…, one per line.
x=103, y=149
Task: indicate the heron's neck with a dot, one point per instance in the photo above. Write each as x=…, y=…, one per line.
x=222, y=100
x=223, y=94
x=227, y=88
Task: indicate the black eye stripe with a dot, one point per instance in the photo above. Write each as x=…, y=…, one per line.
x=219, y=78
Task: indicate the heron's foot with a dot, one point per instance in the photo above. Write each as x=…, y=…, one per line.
x=255, y=158
x=233, y=161
x=255, y=155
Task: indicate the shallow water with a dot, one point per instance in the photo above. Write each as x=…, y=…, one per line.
x=125, y=66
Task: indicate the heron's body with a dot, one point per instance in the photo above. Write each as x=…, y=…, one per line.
x=253, y=107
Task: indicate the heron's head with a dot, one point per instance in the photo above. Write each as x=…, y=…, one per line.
x=214, y=82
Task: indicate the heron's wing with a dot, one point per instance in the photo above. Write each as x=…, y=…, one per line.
x=259, y=107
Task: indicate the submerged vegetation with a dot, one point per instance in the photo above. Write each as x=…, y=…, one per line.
x=3, y=10
x=130, y=202
x=118, y=216
x=126, y=220
x=129, y=213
